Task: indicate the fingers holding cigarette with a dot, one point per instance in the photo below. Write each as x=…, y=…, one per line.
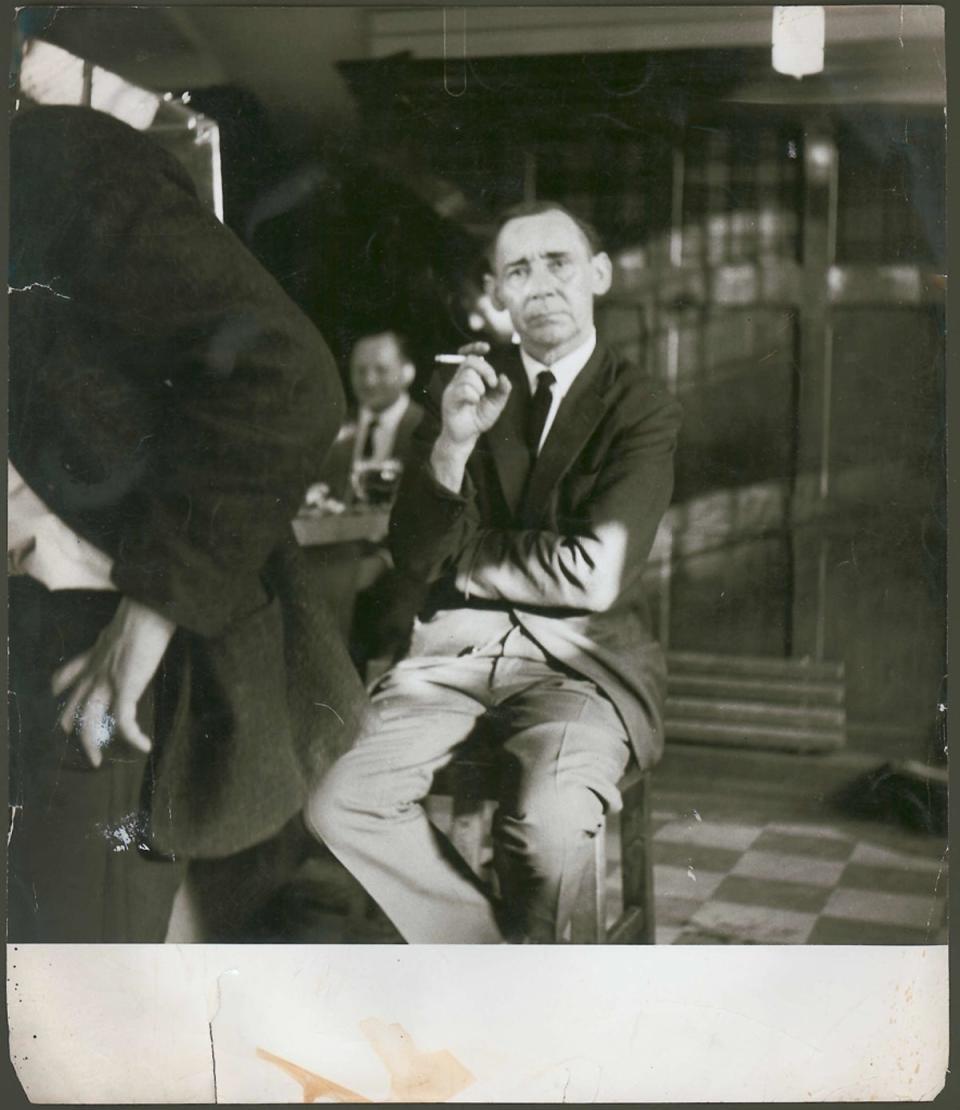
x=474, y=397
x=478, y=347
x=472, y=364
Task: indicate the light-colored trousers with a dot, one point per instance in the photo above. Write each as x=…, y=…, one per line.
x=562, y=748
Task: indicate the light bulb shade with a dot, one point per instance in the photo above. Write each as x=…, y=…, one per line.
x=798, y=34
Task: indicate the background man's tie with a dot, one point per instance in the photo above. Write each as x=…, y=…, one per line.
x=367, y=452
x=539, y=407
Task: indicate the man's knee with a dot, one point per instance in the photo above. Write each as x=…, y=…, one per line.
x=546, y=824
x=358, y=793
x=328, y=810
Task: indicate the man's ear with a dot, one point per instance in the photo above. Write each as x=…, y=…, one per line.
x=602, y=273
x=409, y=372
x=490, y=288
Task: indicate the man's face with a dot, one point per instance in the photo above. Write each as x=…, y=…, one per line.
x=379, y=373
x=547, y=278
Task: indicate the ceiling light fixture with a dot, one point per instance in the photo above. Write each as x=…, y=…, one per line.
x=798, y=36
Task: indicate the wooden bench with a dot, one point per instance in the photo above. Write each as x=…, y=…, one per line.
x=471, y=781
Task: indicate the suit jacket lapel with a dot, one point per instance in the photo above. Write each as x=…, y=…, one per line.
x=579, y=413
x=405, y=429
x=505, y=440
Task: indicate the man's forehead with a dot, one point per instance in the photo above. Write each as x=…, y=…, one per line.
x=542, y=234
x=384, y=342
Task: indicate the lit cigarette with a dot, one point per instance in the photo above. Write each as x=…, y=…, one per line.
x=449, y=360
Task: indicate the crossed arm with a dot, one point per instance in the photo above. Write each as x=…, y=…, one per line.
x=592, y=567
x=437, y=530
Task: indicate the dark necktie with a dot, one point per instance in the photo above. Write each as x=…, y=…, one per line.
x=539, y=407
x=367, y=452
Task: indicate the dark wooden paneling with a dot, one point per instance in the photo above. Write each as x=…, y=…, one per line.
x=885, y=618
x=887, y=398
x=892, y=177
x=736, y=384
x=731, y=599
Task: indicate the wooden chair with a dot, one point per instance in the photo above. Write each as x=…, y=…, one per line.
x=471, y=781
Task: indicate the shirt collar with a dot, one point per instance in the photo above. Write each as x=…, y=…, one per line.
x=564, y=369
x=388, y=417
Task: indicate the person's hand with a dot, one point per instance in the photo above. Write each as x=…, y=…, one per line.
x=474, y=398
x=472, y=403
x=40, y=545
x=104, y=685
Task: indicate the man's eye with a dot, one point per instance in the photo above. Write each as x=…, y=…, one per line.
x=560, y=265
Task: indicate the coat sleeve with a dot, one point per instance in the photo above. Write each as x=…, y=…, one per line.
x=435, y=531
x=246, y=395
x=594, y=566
x=430, y=525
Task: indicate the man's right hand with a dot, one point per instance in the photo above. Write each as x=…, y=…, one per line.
x=472, y=403
x=474, y=398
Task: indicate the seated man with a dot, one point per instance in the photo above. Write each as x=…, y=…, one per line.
x=381, y=373
x=530, y=505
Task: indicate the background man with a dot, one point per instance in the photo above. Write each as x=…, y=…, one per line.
x=381, y=373
x=530, y=505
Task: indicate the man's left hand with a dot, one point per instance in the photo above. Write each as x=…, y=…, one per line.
x=105, y=684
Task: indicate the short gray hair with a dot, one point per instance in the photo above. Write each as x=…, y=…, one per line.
x=540, y=208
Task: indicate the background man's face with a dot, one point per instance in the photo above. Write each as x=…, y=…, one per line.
x=547, y=278
x=379, y=373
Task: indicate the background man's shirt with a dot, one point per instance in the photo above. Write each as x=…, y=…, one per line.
x=384, y=432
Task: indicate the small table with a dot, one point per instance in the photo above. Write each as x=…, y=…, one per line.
x=315, y=528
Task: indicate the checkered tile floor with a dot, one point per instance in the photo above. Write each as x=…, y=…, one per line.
x=733, y=882
x=722, y=880
x=734, y=871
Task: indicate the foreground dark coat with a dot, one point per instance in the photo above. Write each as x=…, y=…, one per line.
x=562, y=545
x=171, y=404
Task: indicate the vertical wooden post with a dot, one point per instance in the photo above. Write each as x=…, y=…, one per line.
x=672, y=358
x=811, y=487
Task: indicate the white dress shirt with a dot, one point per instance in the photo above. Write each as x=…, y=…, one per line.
x=385, y=433
x=41, y=545
x=564, y=370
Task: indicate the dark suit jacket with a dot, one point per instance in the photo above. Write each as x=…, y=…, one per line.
x=563, y=546
x=172, y=404
x=339, y=464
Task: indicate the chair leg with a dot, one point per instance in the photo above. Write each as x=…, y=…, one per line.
x=470, y=785
x=639, y=917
